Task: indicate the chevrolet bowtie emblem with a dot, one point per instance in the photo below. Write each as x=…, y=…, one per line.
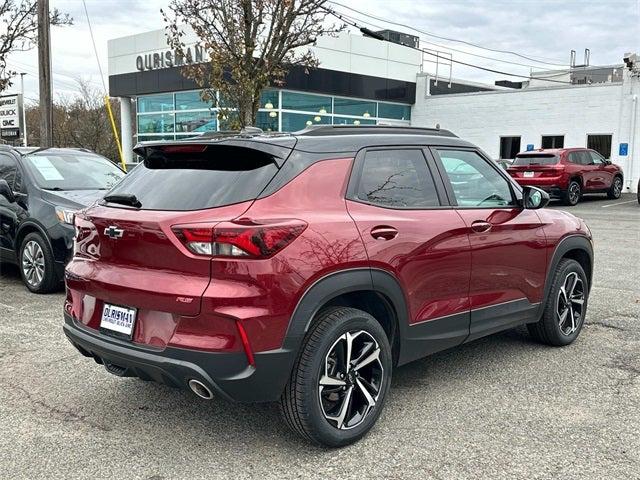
x=113, y=232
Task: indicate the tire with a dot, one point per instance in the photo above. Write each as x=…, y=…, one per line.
x=306, y=404
x=551, y=328
x=616, y=188
x=573, y=193
x=35, y=254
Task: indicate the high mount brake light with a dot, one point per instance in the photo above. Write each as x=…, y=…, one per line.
x=233, y=239
x=183, y=148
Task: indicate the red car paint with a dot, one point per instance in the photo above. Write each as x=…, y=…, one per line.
x=448, y=261
x=592, y=178
x=262, y=294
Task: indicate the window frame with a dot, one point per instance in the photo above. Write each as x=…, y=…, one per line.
x=516, y=190
x=554, y=136
x=18, y=170
x=358, y=167
x=600, y=135
x=519, y=137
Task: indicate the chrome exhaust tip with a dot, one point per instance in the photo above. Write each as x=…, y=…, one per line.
x=200, y=389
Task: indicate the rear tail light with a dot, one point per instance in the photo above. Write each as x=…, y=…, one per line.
x=240, y=239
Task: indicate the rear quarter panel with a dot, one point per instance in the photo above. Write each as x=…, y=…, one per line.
x=263, y=294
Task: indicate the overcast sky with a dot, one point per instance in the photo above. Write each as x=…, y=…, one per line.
x=541, y=29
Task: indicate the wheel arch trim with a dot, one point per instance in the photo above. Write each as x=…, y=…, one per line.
x=337, y=283
x=566, y=245
x=31, y=226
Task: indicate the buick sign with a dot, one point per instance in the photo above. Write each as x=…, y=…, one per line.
x=10, y=112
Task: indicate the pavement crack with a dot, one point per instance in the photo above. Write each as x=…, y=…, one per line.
x=624, y=364
x=64, y=415
x=607, y=325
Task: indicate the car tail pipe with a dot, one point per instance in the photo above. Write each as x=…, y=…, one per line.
x=200, y=389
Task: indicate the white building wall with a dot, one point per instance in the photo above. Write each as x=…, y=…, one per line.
x=345, y=53
x=572, y=111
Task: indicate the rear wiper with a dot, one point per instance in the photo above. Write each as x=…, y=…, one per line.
x=53, y=189
x=124, y=199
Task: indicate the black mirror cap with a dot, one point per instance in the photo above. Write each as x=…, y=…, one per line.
x=534, y=198
x=6, y=192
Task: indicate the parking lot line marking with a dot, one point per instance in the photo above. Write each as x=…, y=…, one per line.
x=619, y=203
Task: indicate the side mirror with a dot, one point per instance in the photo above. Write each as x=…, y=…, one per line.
x=607, y=162
x=6, y=192
x=534, y=198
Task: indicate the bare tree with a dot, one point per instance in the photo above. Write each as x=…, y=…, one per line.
x=251, y=44
x=81, y=122
x=19, y=31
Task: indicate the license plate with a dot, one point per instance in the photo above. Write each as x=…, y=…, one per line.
x=118, y=319
x=528, y=174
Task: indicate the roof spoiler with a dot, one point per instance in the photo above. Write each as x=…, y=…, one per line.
x=163, y=154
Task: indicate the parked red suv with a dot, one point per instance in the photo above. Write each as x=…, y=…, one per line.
x=568, y=173
x=303, y=268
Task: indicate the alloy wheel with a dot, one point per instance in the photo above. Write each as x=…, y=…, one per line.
x=570, y=304
x=617, y=187
x=574, y=193
x=33, y=263
x=351, y=380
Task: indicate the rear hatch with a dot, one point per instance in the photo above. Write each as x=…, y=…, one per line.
x=535, y=165
x=127, y=251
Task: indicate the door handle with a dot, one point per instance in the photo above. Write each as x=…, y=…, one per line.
x=384, y=232
x=480, y=226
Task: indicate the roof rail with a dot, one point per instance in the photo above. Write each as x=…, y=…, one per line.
x=322, y=130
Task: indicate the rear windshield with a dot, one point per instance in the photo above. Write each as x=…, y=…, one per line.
x=71, y=171
x=537, y=159
x=196, y=183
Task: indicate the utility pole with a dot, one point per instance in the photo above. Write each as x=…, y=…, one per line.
x=25, y=142
x=44, y=71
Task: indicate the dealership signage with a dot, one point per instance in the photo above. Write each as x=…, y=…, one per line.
x=10, y=115
x=170, y=58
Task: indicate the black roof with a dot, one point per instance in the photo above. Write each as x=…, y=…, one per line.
x=326, y=138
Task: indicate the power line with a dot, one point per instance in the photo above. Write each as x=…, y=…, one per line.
x=429, y=34
x=366, y=31
x=446, y=47
x=95, y=50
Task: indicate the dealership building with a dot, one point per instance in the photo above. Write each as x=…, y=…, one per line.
x=364, y=81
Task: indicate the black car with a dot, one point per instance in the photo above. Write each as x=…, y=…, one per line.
x=40, y=190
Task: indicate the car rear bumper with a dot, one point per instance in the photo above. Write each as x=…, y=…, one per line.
x=226, y=374
x=552, y=185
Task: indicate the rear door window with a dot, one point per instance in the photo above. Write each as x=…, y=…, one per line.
x=396, y=179
x=195, y=182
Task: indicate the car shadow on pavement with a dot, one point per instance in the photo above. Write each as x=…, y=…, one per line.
x=178, y=413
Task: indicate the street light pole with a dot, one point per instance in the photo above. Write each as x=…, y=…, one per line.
x=25, y=143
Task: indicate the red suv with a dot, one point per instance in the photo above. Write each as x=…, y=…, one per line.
x=567, y=173
x=303, y=268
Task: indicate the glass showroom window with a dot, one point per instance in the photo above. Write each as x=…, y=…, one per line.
x=191, y=101
x=196, y=122
x=394, y=111
x=352, y=121
x=269, y=99
x=360, y=108
x=306, y=102
x=156, y=123
x=154, y=138
x=155, y=103
x=292, y=122
x=267, y=120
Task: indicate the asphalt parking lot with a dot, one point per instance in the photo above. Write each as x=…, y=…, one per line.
x=501, y=407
